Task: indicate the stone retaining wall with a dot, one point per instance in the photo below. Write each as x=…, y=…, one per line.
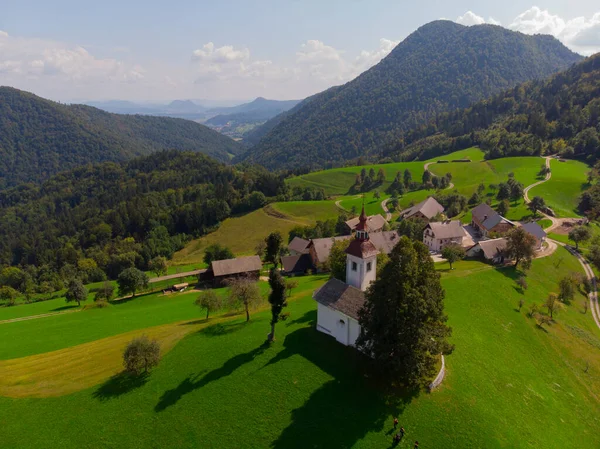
x=440, y=377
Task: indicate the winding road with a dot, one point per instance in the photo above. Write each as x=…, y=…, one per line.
x=556, y=222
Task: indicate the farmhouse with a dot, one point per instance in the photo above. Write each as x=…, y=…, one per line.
x=536, y=230
x=375, y=223
x=439, y=235
x=295, y=265
x=339, y=302
x=319, y=249
x=298, y=246
x=486, y=220
x=426, y=209
x=493, y=251
x=221, y=271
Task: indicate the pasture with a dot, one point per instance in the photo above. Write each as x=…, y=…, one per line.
x=510, y=383
x=562, y=191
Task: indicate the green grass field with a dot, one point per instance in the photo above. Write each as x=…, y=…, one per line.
x=509, y=382
x=309, y=211
x=562, y=191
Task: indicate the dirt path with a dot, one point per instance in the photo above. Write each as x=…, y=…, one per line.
x=426, y=167
x=388, y=214
x=557, y=222
x=176, y=276
x=34, y=317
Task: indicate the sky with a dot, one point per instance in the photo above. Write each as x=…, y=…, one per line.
x=157, y=51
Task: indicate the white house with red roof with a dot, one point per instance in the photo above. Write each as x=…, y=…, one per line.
x=339, y=302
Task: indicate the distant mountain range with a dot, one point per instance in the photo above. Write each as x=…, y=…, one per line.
x=442, y=66
x=39, y=138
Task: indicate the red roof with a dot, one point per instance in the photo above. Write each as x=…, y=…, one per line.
x=362, y=249
x=362, y=220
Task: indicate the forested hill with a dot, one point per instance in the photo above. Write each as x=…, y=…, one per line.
x=39, y=138
x=97, y=220
x=440, y=67
x=559, y=115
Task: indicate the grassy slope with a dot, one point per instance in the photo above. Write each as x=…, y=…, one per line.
x=240, y=234
x=561, y=193
x=509, y=384
x=309, y=211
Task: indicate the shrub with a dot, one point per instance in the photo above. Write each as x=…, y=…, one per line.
x=141, y=355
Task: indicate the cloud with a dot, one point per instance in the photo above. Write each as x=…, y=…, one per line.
x=579, y=34
x=224, y=54
x=37, y=58
x=470, y=18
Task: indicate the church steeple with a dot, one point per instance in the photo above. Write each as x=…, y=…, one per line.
x=361, y=256
x=362, y=231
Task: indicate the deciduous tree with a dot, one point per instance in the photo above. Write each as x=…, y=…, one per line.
x=503, y=207
x=217, y=251
x=520, y=246
x=141, y=355
x=158, y=266
x=274, y=241
x=245, y=292
x=8, y=294
x=210, y=301
x=291, y=284
x=76, y=292
x=337, y=259
x=131, y=280
x=579, y=234
x=403, y=322
x=453, y=253
x=552, y=304
x=105, y=292
x=536, y=204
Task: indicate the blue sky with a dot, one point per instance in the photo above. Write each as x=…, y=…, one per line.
x=157, y=51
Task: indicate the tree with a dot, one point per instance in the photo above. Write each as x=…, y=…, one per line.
x=503, y=207
x=290, y=285
x=503, y=192
x=245, y=292
x=536, y=204
x=403, y=323
x=276, y=299
x=337, y=259
x=522, y=283
x=453, y=253
x=480, y=188
x=520, y=246
x=217, y=251
x=158, y=266
x=131, y=280
x=516, y=191
x=274, y=241
x=8, y=294
x=105, y=292
x=141, y=355
x=381, y=176
x=521, y=303
x=259, y=249
x=76, y=292
x=426, y=178
x=475, y=199
x=552, y=304
x=210, y=301
x=376, y=194
x=579, y=234
x=412, y=228
x=566, y=289
x=407, y=178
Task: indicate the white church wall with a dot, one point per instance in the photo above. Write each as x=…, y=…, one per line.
x=360, y=278
x=336, y=324
x=354, y=331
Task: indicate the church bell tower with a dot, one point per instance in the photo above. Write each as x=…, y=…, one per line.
x=361, y=256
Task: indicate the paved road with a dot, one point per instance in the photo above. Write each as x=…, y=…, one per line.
x=388, y=214
x=176, y=276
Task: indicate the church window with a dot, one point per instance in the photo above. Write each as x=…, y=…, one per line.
x=354, y=266
x=369, y=266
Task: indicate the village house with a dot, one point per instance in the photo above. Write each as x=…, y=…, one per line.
x=536, y=231
x=319, y=249
x=375, y=223
x=493, y=251
x=338, y=303
x=297, y=265
x=486, y=220
x=221, y=271
x=438, y=235
x=298, y=246
x=426, y=209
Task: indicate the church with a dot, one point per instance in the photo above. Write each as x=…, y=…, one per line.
x=339, y=302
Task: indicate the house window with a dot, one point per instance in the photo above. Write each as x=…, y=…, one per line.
x=369, y=266
x=354, y=266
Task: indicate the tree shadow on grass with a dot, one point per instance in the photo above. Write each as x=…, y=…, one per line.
x=60, y=309
x=119, y=385
x=219, y=329
x=343, y=410
x=197, y=381
x=308, y=317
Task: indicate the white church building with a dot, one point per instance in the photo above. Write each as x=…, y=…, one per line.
x=339, y=302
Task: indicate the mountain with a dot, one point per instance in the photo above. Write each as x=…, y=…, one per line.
x=239, y=120
x=39, y=138
x=440, y=67
x=558, y=115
